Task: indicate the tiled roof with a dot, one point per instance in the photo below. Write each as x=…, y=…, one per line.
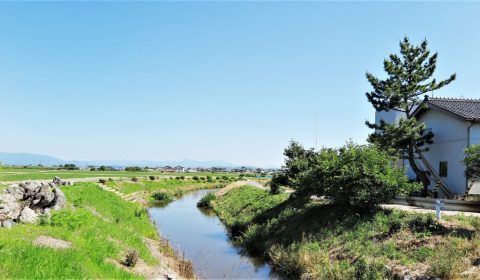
x=469, y=109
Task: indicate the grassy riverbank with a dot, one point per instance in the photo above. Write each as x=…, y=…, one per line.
x=100, y=229
x=318, y=241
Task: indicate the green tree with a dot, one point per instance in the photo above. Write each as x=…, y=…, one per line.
x=356, y=176
x=297, y=160
x=472, y=162
x=409, y=79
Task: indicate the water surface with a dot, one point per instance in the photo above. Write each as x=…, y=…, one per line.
x=204, y=240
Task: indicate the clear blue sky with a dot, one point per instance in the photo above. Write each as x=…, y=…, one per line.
x=204, y=81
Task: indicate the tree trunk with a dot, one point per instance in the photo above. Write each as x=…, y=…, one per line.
x=421, y=174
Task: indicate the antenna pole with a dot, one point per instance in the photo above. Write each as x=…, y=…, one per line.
x=316, y=131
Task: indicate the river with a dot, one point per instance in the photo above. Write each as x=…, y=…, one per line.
x=202, y=237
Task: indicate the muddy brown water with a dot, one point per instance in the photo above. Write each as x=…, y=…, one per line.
x=202, y=237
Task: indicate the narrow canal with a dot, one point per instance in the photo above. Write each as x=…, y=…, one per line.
x=204, y=240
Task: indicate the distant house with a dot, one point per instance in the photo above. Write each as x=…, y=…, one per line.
x=191, y=170
x=167, y=169
x=455, y=124
x=179, y=169
x=219, y=169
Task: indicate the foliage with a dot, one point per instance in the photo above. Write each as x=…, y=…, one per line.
x=409, y=79
x=131, y=258
x=102, y=181
x=134, y=179
x=162, y=196
x=297, y=160
x=206, y=200
x=472, y=161
x=151, y=177
x=133, y=169
x=356, y=176
x=68, y=166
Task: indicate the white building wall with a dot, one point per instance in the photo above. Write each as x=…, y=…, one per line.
x=475, y=134
x=391, y=116
x=449, y=141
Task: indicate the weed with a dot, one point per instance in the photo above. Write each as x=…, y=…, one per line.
x=131, y=258
x=206, y=201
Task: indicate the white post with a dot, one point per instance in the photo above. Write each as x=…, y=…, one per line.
x=439, y=205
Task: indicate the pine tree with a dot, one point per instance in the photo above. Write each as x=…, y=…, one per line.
x=409, y=79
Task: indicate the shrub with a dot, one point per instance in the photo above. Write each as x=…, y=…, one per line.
x=162, y=196
x=206, y=201
x=102, y=181
x=133, y=169
x=135, y=179
x=195, y=178
x=131, y=258
x=110, y=179
x=151, y=177
x=182, y=177
x=355, y=175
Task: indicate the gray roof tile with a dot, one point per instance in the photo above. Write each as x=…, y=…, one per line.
x=469, y=109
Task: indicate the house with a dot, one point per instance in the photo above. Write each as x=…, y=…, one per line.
x=179, y=169
x=455, y=123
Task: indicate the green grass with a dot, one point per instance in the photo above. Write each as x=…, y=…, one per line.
x=99, y=225
x=43, y=173
x=324, y=242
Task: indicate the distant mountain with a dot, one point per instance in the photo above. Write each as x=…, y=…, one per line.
x=35, y=159
x=26, y=158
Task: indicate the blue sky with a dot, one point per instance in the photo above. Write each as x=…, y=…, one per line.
x=203, y=81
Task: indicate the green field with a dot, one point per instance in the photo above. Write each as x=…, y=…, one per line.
x=99, y=225
x=320, y=241
x=37, y=173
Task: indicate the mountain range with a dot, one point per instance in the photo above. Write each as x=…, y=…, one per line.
x=45, y=160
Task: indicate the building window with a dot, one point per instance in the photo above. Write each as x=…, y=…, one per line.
x=443, y=169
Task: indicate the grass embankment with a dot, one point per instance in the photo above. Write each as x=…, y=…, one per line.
x=101, y=228
x=172, y=186
x=318, y=241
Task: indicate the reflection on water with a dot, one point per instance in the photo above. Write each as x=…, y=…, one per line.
x=204, y=240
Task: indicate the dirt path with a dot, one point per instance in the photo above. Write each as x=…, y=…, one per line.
x=239, y=184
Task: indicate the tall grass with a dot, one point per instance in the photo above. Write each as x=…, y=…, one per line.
x=316, y=240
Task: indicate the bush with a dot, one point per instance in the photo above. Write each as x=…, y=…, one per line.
x=206, y=201
x=133, y=169
x=131, y=258
x=356, y=176
x=151, y=177
x=162, y=196
x=135, y=179
x=195, y=178
x=102, y=181
x=182, y=177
